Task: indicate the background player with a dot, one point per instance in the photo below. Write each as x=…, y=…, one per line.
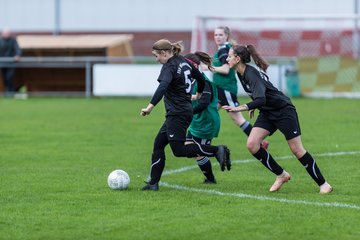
x=205, y=124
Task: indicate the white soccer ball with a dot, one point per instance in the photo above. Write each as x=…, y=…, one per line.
x=118, y=180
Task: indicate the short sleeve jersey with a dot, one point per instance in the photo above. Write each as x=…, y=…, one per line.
x=257, y=85
x=175, y=85
x=228, y=81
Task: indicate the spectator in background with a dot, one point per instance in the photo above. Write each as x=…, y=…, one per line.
x=9, y=48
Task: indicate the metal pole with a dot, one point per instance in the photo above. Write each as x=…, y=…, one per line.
x=57, y=17
x=88, y=79
x=356, y=30
x=203, y=34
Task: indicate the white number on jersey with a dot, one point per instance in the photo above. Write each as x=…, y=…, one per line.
x=187, y=76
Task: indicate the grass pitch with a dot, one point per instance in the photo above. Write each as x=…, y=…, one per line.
x=56, y=155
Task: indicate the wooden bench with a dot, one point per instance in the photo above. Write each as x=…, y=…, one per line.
x=65, y=76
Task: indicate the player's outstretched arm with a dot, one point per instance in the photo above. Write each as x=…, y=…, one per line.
x=240, y=108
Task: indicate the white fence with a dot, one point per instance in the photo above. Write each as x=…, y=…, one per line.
x=106, y=76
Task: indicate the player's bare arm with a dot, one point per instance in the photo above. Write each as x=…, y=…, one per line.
x=147, y=110
x=240, y=108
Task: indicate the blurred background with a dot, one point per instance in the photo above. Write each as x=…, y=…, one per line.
x=103, y=47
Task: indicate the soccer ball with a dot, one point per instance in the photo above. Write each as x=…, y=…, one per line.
x=118, y=180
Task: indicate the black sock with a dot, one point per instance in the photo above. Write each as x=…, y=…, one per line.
x=205, y=166
x=198, y=150
x=267, y=160
x=246, y=127
x=311, y=167
x=157, y=166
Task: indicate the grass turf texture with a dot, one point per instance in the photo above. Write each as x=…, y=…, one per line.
x=56, y=155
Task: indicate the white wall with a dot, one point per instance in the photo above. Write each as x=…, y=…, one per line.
x=141, y=80
x=125, y=80
x=146, y=15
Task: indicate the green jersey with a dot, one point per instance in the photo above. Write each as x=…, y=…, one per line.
x=206, y=124
x=228, y=81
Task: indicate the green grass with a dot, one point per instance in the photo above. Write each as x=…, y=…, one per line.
x=56, y=155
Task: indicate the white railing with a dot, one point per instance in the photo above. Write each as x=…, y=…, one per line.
x=84, y=62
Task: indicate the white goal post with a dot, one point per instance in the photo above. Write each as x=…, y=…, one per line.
x=324, y=50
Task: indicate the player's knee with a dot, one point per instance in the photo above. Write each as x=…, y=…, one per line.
x=298, y=151
x=179, y=149
x=178, y=152
x=252, y=145
x=158, y=156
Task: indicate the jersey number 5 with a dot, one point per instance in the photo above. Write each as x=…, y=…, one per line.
x=187, y=76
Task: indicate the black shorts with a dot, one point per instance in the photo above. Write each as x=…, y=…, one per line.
x=202, y=141
x=226, y=98
x=175, y=126
x=284, y=119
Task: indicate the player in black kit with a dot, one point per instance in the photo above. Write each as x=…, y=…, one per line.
x=175, y=86
x=276, y=112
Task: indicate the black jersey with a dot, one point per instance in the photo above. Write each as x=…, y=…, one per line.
x=9, y=47
x=264, y=95
x=175, y=85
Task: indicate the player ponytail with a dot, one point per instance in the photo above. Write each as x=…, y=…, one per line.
x=177, y=48
x=247, y=51
x=165, y=45
x=199, y=57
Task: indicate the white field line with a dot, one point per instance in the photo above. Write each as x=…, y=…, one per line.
x=259, y=197
x=185, y=169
